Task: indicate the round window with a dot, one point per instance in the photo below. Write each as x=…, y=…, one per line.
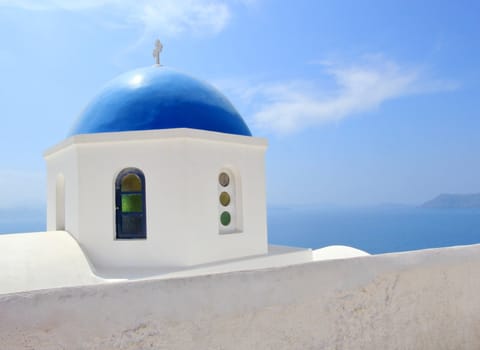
x=225, y=218
x=224, y=179
x=224, y=199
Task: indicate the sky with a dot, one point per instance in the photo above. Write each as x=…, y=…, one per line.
x=363, y=102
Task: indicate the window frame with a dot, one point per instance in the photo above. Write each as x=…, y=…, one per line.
x=119, y=214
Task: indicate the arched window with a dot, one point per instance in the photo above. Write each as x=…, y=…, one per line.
x=130, y=204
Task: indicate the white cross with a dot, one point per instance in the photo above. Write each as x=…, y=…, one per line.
x=156, y=51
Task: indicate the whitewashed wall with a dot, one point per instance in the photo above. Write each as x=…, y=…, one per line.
x=417, y=300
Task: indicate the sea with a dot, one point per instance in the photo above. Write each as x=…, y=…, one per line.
x=375, y=230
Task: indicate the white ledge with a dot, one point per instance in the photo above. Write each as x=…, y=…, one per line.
x=152, y=135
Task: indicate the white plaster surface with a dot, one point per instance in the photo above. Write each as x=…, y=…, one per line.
x=415, y=300
x=337, y=252
x=277, y=256
x=30, y=261
x=45, y=260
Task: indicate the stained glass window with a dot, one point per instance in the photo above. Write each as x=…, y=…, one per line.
x=131, y=183
x=130, y=204
x=224, y=179
x=225, y=218
x=224, y=199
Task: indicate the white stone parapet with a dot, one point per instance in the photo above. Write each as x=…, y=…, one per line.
x=415, y=300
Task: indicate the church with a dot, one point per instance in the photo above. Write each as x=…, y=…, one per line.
x=157, y=238
x=159, y=170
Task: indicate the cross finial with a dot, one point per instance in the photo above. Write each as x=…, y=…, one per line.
x=156, y=51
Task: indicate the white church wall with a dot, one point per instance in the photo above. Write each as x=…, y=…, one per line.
x=246, y=164
x=181, y=168
x=100, y=164
x=415, y=300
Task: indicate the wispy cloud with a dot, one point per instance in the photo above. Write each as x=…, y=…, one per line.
x=169, y=17
x=288, y=106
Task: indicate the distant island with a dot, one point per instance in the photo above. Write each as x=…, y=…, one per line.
x=454, y=201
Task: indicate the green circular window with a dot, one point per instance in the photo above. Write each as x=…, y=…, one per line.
x=224, y=179
x=224, y=198
x=225, y=218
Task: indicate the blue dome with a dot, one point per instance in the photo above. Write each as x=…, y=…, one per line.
x=159, y=98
